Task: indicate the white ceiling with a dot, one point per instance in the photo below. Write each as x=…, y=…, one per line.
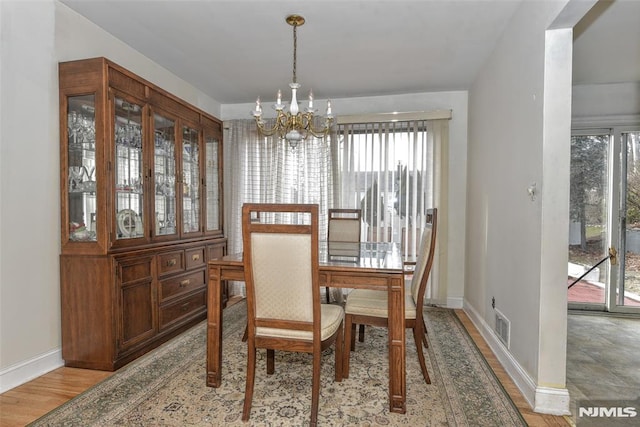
x=236, y=50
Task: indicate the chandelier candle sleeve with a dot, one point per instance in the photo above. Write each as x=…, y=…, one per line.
x=293, y=109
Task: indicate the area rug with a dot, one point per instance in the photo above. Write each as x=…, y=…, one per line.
x=167, y=386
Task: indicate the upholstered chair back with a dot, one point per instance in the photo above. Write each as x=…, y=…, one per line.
x=344, y=225
x=282, y=278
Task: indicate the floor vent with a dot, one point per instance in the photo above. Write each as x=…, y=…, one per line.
x=503, y=328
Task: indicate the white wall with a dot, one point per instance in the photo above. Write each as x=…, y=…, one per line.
x=29, y=221
x=606, y=102
x=36, y=35
x=509, y=236
x=457, y=156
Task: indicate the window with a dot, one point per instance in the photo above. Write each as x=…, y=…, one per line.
x=388, y=165
x=386, y=169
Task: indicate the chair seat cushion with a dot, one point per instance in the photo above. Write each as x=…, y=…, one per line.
x=331, y=314
x=366, y=302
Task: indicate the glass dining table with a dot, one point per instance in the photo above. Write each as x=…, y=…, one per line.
x=367, y=265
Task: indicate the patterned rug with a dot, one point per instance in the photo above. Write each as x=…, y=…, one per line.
x=167, y=386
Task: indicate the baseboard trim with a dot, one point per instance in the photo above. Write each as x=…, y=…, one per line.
x=457, y=302
x=518, y=375
x=30, y=369
x=553, y=401
x=544, y=400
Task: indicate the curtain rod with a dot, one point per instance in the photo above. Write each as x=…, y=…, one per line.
x=395, y=117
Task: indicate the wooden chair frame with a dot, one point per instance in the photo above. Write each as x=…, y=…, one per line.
x=314, y=346
x=417, y=325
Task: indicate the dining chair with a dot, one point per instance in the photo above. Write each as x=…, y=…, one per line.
x=344, y=227
x=283, y=293
x=370, y=307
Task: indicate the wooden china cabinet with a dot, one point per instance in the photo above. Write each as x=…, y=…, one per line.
x=141, y=199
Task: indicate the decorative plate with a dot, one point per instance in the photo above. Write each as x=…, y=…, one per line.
x=128, y=223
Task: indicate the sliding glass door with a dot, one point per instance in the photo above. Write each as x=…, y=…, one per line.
x=604, y=234
x=589, y=234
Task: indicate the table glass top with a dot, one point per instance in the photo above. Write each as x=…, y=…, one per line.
x=385, y=255
x=368, y=255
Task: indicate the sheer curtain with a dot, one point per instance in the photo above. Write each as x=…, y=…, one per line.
x=268, y=170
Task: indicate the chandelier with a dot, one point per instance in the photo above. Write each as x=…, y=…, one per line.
x=294, y=125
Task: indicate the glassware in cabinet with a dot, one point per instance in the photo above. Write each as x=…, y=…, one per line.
x=212, y=173
x=190, y=180
x=81, y=157
x=129, y=188
x=164, y=168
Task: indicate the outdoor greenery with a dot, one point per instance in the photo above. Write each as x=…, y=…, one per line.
x=588, y=180
x=633, y=197
x=587, y=191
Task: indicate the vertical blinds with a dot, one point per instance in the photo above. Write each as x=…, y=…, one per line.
x=386, y=169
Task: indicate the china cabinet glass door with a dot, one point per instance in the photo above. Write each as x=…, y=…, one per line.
x=129, y=189
x=190, y=180
x=212, y=166
x=82, y=166
x=164, y=175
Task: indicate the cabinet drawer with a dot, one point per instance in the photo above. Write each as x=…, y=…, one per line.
x=181, y=284
x=194, y=257
x=171, y=261
x=182, y=309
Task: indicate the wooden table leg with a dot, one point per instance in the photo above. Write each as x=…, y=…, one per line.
x=397, y=369
x=214, y=328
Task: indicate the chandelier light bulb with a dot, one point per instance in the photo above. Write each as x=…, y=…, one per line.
x=258, y=111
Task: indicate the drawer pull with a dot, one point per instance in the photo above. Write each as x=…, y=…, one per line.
x=184, y=283
x=171, y=262
x=185, y=306
x=195, y=257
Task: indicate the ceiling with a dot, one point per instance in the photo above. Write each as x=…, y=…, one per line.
x=236, y=50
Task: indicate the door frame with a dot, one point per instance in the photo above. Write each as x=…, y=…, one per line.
x=618, y=222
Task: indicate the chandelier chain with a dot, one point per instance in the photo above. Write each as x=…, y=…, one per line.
x=295, y=51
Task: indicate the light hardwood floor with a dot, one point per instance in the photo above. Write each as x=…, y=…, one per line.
x=532, y=418
x=25, y=403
